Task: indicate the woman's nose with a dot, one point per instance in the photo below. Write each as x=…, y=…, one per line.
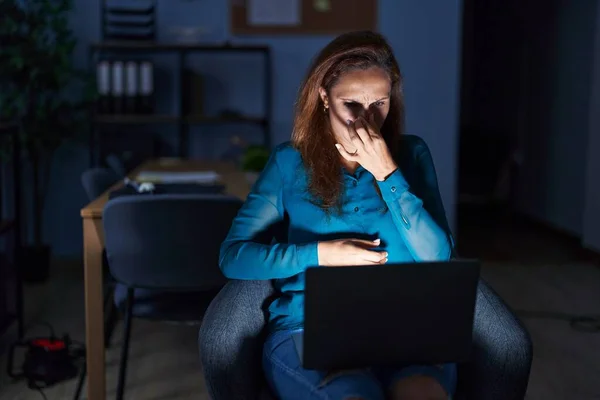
x=361, y=111
x=367, y=113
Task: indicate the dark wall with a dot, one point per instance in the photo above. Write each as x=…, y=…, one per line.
x=527, y=76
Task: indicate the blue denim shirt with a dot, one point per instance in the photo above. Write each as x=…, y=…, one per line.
x=408, y=217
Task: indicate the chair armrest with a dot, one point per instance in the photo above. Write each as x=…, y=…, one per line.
x=231, y=339
x=502, y=352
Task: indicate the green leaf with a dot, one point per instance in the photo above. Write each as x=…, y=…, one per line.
x=255, y=158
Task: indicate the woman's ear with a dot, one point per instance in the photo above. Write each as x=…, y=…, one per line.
x=323, y=95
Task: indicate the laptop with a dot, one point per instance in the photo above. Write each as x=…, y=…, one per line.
x=388, y=315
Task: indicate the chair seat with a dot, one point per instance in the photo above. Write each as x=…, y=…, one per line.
x=166, y=306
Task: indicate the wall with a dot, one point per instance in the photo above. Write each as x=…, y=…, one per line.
x=559, y=40
x=591, y=215
x=425, y=36
x=560, y=49
x=529, y=75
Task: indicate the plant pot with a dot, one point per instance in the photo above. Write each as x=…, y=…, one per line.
x=34, y=263
x=252, y=177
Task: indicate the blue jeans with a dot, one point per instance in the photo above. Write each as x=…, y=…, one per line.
x=289, y=381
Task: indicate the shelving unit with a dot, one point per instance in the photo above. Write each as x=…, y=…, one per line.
x=12, y=227
x=182, y=121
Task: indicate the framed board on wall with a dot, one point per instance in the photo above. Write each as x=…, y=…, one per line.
x=302, y=17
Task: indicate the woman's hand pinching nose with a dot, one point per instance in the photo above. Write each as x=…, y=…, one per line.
x=372, y=152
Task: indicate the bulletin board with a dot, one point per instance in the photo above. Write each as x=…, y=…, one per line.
x=302, y=17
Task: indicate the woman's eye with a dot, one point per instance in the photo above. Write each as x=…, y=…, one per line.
x=353, y=107
x=379, y=104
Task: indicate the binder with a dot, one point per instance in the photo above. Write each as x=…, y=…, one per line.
x=146, y=97
x=118, y=87
x=131, y=87
x=103, y=82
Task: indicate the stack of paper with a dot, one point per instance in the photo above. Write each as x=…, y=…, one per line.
x=202, y=177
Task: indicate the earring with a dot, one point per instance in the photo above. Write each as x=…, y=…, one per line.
x=325, y=108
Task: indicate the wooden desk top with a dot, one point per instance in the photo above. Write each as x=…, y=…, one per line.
x=234, y=179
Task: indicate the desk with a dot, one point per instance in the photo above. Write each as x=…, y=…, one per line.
x=93, y=245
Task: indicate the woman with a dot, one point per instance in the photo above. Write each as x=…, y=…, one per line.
x=342, y=188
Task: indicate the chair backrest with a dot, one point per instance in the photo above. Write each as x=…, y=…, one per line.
x=96, y=181
x=116, y=164
x=169, y=241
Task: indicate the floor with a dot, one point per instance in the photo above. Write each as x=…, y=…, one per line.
x=160, y=354
x=545, y=278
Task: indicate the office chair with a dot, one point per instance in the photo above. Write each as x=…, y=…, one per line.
x=96, y=181
x=116, y=164
x=163, y=251
x=233, y=331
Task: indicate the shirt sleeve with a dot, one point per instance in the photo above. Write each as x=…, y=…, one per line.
x=248, y=251
x=420, y=221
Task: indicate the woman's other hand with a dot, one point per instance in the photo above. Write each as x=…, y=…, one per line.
x=350, y=252
x=370, y=149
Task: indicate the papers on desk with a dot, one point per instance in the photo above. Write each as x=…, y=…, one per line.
x=200, y=177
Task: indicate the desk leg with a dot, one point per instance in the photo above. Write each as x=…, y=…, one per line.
x=93, y=244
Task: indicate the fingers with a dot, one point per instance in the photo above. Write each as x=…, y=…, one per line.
x=345, y=154
x=359, y=135
x=355, y=138
x=370, y=256
x=373, y=124
x=361, y=127
x=372, y=121
x=375, y=257
x=368, y=125
x=366, y=243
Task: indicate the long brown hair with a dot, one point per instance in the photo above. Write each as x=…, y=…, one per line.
x=312, y=135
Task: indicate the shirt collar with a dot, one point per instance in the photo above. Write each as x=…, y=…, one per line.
x=358, y=174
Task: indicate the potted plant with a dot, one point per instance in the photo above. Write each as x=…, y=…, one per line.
x=40, y=88
x=254, y=161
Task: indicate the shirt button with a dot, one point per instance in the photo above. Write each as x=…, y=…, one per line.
x=354, y=183
x=393, y=189
x=356, y=209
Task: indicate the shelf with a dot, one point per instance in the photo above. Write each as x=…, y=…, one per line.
x=199, y=119
x=6, y=225
x=183, y=47
x=182, y=122
x=135, y=118
x=194, y=119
